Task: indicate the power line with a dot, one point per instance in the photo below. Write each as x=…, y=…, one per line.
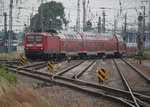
x=23, y=1
x=73, y=3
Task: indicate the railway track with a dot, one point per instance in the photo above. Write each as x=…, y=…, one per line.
x=139, y=77
x=9, y=62
x=73, y=72
x=128, y=85
x=76, y=83
x=146, y=78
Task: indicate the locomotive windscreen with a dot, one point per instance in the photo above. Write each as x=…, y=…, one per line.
x=34, y=38
x=30, y=38
x=38, y=38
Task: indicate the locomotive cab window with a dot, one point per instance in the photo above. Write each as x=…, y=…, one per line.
x=34, y=38
x=30, y=38
x=38, y=38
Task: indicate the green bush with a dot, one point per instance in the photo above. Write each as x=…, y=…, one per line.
x=8, y=76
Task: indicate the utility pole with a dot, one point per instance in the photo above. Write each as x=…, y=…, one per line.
x=5, y=32
x=125, y=24
x=84, y=15
x=139, y=38
x=1, y=7
x=10, y=27
x=99, y=25
x=115, y=26
x=103, y=25
x=78, y=16
x=149, y=12
x=148, y=1
x=42, y=16
x=67, y=27
x=143, y=30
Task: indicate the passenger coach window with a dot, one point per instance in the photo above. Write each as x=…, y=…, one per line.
x=30, y=38
x=38, y=38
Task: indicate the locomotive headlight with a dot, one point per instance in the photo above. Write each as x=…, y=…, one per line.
x=41, y=48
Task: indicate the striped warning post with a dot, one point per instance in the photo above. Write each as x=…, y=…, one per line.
x=50, y=65
x=22, y=59
x=101, y=74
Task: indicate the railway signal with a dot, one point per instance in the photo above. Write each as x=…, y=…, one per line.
x=140, y=37
x=50, y=65
x=101, y=75
x=22, y=59
x=104, y=57
x=68, y=59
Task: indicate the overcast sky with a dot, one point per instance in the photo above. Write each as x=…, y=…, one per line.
x=22, y=16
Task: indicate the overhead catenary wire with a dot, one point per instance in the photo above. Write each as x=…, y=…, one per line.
x=73, y=4
x=125, y=4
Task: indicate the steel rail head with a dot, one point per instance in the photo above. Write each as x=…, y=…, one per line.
x=80, y=73
x=67, y=69
x=127, y=85
x=138, y=71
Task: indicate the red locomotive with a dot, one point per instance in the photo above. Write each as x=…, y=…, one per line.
x=58, y=44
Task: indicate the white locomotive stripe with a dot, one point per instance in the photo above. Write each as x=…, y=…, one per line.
x=39, y=44
x=29, y=44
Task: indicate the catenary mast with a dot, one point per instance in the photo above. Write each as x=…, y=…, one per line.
x=78, y=16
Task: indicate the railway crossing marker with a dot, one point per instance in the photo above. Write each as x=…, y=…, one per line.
x=101, y=75
x=50, y=65
x=22, y=59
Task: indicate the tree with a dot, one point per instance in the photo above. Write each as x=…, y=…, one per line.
x=53, y=16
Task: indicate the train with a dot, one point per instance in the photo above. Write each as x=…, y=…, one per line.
x=131, y=41
x=63, y=43
x=131, y=47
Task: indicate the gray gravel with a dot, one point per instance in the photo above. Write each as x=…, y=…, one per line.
x=66, y=97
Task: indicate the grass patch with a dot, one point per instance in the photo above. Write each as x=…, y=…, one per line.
x=16, y=95
x=129, y=53
x=8, y=76
x=9, y=56
x=21, y=96
x=145, y=49
x=146, y=54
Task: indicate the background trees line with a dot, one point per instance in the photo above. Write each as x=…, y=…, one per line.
x=51, y=14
